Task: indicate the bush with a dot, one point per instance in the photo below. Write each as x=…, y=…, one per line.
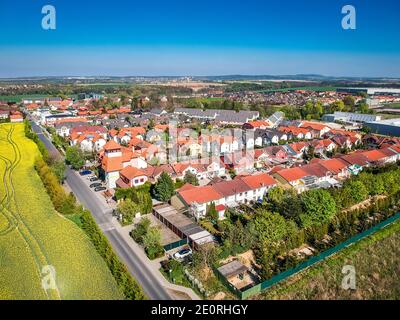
x=126, y=283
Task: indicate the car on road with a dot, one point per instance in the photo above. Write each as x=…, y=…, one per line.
x=97, y=189
x=181, y=254
x=85, y=172
x=92, y=179
x=95, y=185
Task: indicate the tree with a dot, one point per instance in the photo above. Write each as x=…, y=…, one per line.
x=268, y=227
x=58, y=168
x=212, y=213
x=319, y=207
x=128, y=209
x=74, y=156
x=140, y=230
x=152, y=238
x=356, y=190
x=349, y=103
x=205, y=256
x=152, y=242
x=191, y=178
x=164, y=188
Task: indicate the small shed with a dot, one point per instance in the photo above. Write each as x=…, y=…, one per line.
x=232, y=269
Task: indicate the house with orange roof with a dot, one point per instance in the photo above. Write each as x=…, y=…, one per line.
x=338, y=167
x=124, y=135
x=296, y=132
x=382, y=156
x=88, y=142
x=318, y=128
x=16, y=118
x=258, y=124
x=305, y=177
x=114, y=158
x=225, y=194
x=131, y=177
x=323, y=146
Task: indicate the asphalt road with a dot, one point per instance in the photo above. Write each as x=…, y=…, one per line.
x=138, y=269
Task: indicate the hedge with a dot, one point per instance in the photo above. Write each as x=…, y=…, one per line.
x=125, y=281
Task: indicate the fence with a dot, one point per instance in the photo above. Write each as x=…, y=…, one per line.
x=313, y=260
x=175, y=244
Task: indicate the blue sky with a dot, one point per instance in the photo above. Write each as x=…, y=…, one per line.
x=205, y=37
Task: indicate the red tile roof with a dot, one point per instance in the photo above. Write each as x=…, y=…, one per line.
x=258, y=181
x=112, y=145
x=200, y=195
x=130, y=172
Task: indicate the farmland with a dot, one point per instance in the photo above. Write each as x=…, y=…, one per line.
x=33, y=235
x=376, y=261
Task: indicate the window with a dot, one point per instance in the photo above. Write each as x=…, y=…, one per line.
x=136, y=181
x=142, y=180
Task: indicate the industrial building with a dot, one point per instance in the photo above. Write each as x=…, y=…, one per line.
x=370, y=91
x=350, y=117
x=390, y=127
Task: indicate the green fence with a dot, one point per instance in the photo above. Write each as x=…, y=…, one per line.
x=313, y=260
x=175, y=244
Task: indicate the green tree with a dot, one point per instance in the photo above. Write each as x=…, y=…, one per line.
x=75, y=157
x=349, y=103
x=140, y=230
x=128, y=209
x=268, y=227
x=319, y=207
x=357, y=191
x=191, y=178
x=212, y=213
x=58, y=168
x=164, y=188
x=152, y=243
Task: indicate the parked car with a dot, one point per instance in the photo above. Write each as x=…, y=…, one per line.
x=97, y=189
x=92, y=179
x=85, y=172
x=183, y=253
x=95, y=185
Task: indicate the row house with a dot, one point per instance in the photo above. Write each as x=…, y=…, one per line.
x=266, y=137
x=297, y=133
x=63, y=129
x=225, y=194
x=124, y=135
x=88, y=142
x=270, y=156
x=304, y=177
x=323, y=146
x=318, y=129
x=241, y=162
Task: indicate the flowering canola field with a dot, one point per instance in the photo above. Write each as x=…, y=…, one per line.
x=43, y=255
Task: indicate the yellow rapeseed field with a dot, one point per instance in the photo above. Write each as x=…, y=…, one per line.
x=33, y=236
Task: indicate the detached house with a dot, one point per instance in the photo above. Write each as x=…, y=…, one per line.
x=114, y=158
x=131, y=177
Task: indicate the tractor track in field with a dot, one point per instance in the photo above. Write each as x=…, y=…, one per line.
x=37, y=250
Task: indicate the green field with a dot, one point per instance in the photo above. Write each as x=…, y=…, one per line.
x=33, y=235
x=376, y=261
